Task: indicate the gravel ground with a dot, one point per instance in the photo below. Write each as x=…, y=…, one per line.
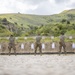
x=37, y=65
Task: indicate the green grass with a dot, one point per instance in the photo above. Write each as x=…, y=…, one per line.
x=30, y=39
x=24, y=19
x=27, y=19
x=37, y=20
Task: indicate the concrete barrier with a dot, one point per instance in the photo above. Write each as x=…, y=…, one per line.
x=27, y=47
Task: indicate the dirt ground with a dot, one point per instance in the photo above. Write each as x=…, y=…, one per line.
x=37, y=65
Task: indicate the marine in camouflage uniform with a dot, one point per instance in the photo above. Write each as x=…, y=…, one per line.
x=62, y=43
x=12, y=44
x=38, y=43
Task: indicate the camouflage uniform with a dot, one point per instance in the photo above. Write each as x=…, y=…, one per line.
x=12, y=44
x=38, y=44
x=62, y=43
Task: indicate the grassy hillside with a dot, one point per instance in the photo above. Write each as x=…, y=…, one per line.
x=24, y=19
x=27, y=19
x=26, y=24
x=4, y=31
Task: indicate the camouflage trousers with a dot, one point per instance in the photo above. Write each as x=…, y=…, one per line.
x=11, y=45
x=62, y=45
x=38, y=45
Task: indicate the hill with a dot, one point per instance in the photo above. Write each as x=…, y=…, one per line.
x=24, y=19
x=28, y=24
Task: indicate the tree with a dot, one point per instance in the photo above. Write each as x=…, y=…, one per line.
x=21, y=24
x=68, y=22
x=63, y=20
x=73, y=25
x=10, y=18
x=15, y=23
x=60, y=27
x=4, y=21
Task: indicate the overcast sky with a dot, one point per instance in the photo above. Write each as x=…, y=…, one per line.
x=39, y=7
